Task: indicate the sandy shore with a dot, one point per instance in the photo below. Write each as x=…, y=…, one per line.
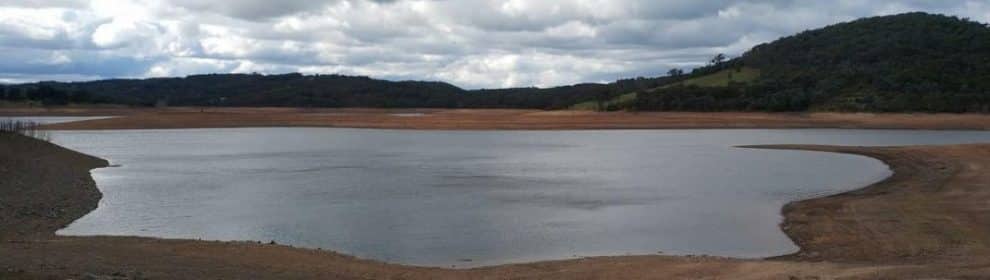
x=934, y=207
x=927, y=221
x=449, y=119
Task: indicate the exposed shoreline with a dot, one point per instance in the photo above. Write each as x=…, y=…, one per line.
x=487, y=119
x=929, y=209
x=879, y=237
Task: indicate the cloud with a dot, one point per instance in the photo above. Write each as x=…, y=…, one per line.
x=22, y=64
x=252, y=9
x=120, y=33
x=471, y=43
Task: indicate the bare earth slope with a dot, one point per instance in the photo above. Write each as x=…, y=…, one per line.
x=934, y=211
x=44, y=186
x=927, y=221
x=491, y=119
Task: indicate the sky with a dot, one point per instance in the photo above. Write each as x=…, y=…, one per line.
x=469, y=43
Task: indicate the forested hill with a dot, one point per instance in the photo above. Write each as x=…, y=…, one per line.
x=906, y=62
x=299, y=90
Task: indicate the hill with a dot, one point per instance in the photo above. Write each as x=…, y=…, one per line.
x=905, y=62
x=297, y=90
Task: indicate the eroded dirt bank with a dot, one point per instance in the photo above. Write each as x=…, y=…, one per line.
x=43, y=187
x=927, y=221
x=479, y=119
x=936, y=206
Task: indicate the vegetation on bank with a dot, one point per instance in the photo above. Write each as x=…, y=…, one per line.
x=48, y=95
x=914, y=62
x=26, y=128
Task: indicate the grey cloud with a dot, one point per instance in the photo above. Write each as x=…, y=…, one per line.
x=43, y=3
x=471, y=43
x=253, y=9
x=81, y=63
x=258, y=10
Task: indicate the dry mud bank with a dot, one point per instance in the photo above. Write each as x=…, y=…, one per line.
x=483, y=119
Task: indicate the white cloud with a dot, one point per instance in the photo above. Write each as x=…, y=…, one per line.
x=122, y=32
x=57, y=58
x=471, y=43
x=185, y=66
x=530, y=69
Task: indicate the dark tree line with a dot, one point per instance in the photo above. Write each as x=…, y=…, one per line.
x=742, y=98
x=297, y=90
x=46, y=95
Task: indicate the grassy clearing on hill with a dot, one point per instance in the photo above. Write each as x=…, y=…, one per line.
x=619, y=101
x=722, y=78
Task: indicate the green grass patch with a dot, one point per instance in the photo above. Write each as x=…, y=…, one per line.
x=619, y=101
x=718, y=79
x=722, y=78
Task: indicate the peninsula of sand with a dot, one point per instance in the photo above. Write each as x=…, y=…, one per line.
x=928, y=220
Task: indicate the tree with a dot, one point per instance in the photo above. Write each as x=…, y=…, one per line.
x=15, y=94
x=80, y=96
x=602, y=99
x=50, y=96
x=675, y=72
x=32, y=94
x=718, y=59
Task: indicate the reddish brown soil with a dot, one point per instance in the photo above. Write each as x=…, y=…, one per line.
x=491, y=119
x=935, y=206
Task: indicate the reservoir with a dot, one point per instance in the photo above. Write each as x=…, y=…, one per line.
x=473, y=198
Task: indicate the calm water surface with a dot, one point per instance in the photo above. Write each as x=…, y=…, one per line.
x=474, y=198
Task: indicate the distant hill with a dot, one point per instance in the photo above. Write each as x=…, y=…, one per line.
x=906, y=62
x=297, y=90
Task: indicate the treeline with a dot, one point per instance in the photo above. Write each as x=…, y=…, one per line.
x=743, y=98
x=910, y=62
x=297, y=90
x=47, y=95
x=762, y=98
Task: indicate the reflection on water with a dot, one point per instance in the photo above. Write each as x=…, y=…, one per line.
x=439, y=197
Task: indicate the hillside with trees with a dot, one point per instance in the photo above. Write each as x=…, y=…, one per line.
x=913, y=62
x=47, y=95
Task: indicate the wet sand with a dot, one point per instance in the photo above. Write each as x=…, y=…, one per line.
x=487, y=119
x=927, y=221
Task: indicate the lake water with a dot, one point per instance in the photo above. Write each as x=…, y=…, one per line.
x=470, y=198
